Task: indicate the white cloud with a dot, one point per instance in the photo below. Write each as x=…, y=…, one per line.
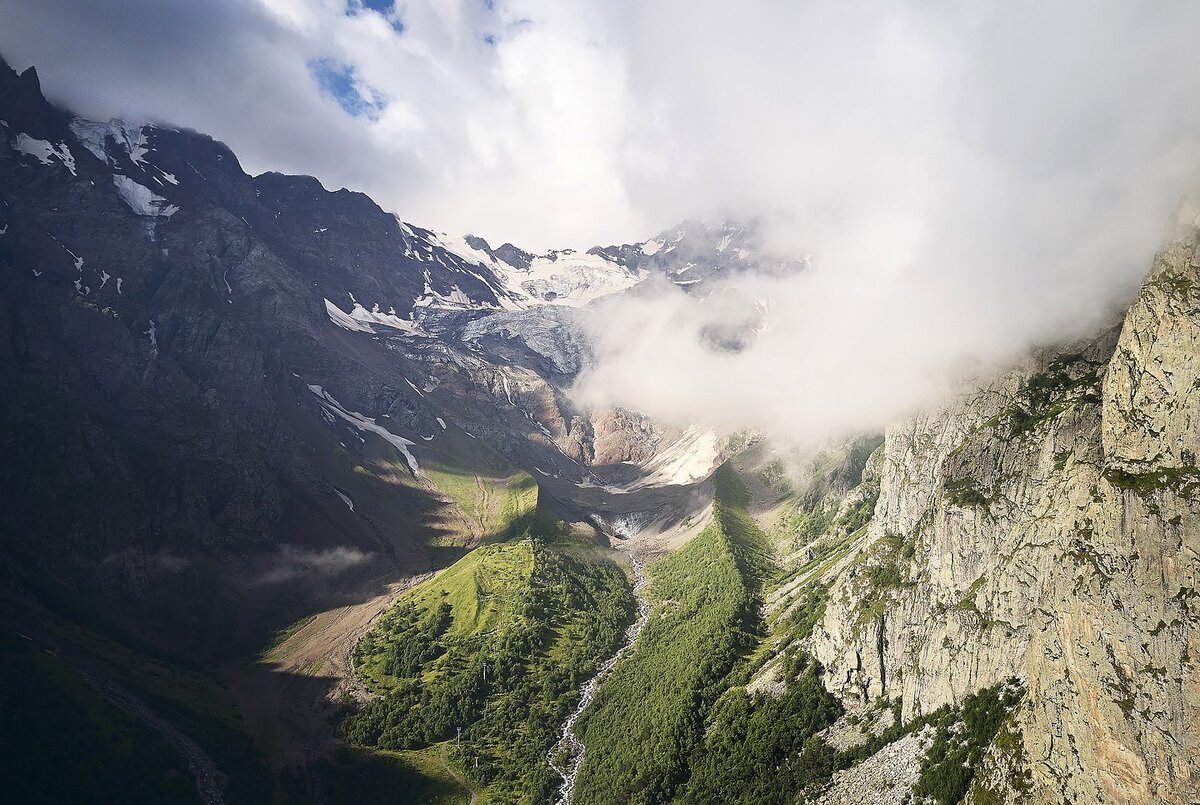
x=968, y=178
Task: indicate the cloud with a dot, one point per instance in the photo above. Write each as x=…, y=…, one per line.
x=969, y=181
x=968, y=178
x=292, y=562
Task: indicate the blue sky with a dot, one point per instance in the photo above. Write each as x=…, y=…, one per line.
x=341, y=83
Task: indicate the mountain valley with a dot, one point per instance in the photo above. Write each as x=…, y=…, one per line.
x=299, y=507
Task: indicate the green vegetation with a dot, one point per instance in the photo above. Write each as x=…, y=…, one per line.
x=808, y=612
x=498, y=644
x=498, y=499
x=62, y=742
x=966, y=493
x=885, y=568
x=1009, y=751
x=649, y=715
x=961, y=738
x=1182, y=481
x=764, y=749
x=806, y=525
x=1067, y=381
x=1173, y=284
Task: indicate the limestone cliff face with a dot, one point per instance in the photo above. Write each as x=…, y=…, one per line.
x=1046, y=526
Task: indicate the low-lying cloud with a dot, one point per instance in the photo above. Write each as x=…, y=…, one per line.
x=292, y=562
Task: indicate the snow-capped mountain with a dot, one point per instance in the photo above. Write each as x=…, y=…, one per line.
x=167, y=317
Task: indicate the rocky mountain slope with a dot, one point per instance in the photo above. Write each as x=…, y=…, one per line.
x=1043, y=527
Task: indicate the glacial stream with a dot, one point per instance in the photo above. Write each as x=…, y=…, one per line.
x=566, y=756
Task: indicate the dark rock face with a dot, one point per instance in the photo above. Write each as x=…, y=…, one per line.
x=162, y=316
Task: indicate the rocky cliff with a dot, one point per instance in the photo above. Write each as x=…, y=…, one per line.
x=1045, y=526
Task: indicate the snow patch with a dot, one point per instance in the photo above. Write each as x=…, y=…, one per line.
x=344, y=320
x=332, y=407
x=93, y=134
x=359, y=319
x=141, y=200
x=45, y=152
x=565, y=278
x=345, y=499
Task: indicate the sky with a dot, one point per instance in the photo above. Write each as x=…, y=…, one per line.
x=969, y=178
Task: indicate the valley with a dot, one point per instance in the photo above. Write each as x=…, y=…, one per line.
x=300, y=507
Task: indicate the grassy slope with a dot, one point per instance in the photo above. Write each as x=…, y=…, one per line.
x=494, y=497
x=650, y=713
x=484, y=590
x=540, y=611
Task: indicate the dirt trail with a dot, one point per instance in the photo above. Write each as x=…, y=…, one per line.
x=459, y=778
x=287, y=700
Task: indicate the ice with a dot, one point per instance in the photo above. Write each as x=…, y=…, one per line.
x=651, y=247
x=44, y=152
x=345, y=499
x=724, y=243
x=360, y=320
x=170, y=177
x=119, y=281
x=363, y=423
x=389, y=319
x=441, y=422
x=414, y=387
x=104, y=278
x=565, y=278
x=141, y=199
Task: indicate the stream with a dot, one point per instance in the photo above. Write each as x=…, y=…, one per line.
x=566, y=756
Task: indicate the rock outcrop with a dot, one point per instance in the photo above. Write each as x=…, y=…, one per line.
x=1046, y=525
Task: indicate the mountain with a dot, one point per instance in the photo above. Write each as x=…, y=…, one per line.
x=297, y=508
